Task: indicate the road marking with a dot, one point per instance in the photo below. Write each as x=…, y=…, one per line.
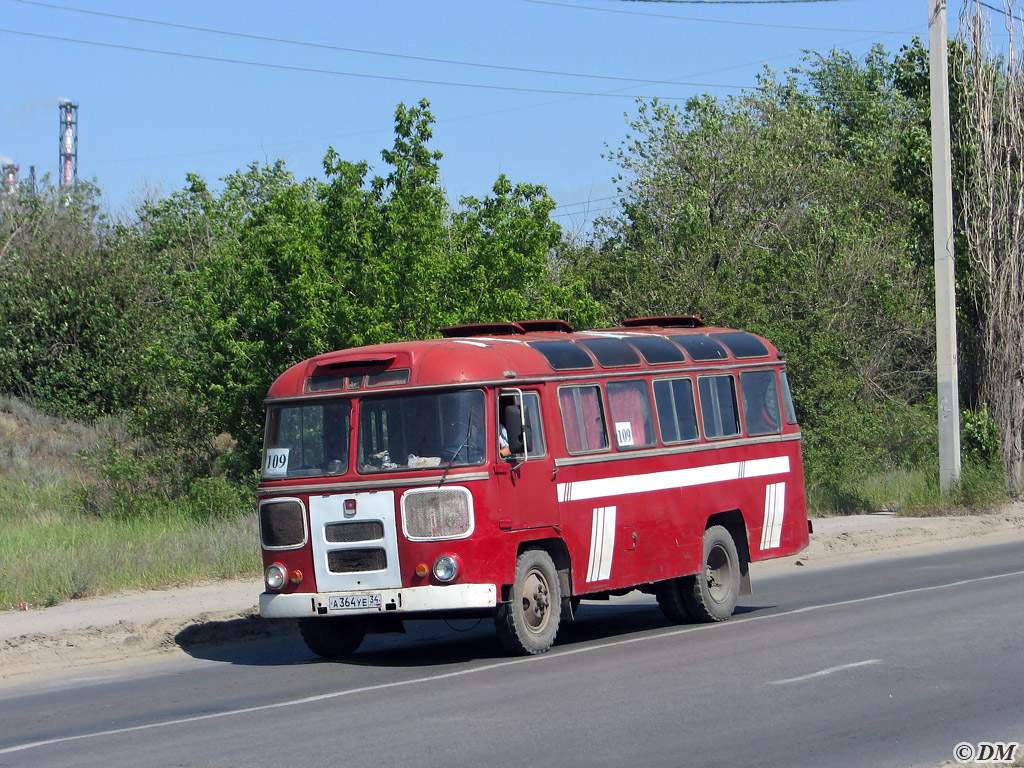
x=824, y=672
x=554, y=655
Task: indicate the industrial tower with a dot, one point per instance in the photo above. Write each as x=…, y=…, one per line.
x=10, y=177
x=68, y=143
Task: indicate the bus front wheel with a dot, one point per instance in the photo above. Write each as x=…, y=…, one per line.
x=528, y=622
x=717, y=587
x=335, y=637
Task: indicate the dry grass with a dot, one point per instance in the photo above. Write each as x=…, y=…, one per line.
x=52, y=548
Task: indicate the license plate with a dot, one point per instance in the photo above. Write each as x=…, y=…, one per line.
x=361, y=600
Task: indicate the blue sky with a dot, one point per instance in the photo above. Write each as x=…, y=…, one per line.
x=146, y=119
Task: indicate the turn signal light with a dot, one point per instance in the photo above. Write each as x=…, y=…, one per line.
x=422, y=570
x=295, y=577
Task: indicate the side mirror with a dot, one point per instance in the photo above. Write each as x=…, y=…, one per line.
x=514, y=426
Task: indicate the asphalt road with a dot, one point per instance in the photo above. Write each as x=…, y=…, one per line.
x=886, y=663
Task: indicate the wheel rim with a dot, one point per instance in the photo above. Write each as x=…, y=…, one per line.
x=718, y=574
x=536, y=600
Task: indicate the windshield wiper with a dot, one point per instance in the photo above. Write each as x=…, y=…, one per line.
x=451, y=461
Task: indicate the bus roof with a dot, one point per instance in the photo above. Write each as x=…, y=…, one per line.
x=524, y=351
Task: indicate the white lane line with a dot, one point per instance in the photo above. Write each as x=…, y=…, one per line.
x=824, y=672
x=554, y=655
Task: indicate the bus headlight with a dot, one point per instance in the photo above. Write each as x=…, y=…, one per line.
x=446, y=568
x=432, y=514
x=276, y=576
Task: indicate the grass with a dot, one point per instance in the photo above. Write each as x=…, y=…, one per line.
x=912, y=492
x=52, y=558
x=71, y=528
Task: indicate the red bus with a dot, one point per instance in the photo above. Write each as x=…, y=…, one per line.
x=511, y=470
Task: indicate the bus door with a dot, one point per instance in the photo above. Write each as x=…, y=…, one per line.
x=526, y=489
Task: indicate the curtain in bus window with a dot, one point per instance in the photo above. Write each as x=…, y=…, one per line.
x=760, y=402
x=582, y=419
x=570, y=419
x=630, y=407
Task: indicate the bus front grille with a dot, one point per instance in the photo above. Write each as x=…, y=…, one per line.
x=356, y=560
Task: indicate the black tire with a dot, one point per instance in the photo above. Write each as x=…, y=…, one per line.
x=671, y=596
x=335, y=637
x=717, y=587
x=528, y=623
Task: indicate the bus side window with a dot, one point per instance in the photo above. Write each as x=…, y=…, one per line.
x=787, y=399
x=677, y=415
x=532, y=434
x=760, y=403
x=583, y=418
x=533, y=429
x=718, y=409
x=629, y=404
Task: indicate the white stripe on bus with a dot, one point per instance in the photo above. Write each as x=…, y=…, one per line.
x=774, y=511
x=602, y=544
x=675, y=478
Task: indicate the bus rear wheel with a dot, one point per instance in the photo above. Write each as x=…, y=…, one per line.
x=717, y=587
x=672, y=595
x=335, y=637
x=528, y=623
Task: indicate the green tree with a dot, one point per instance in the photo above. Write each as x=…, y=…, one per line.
x=398, y=253
x=77, y=307
x=777, y=211
x=252, y=286
x=503, y=270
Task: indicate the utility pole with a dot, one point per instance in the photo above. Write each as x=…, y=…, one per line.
x=945, y=286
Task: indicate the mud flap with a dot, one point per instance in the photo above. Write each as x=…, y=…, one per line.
x=745, y=588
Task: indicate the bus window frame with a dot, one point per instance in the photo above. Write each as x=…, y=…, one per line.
x=693, y=401
x=604, y=417
x=714, y=397
x=522, y=394
x=652, y=441
x=778, y=403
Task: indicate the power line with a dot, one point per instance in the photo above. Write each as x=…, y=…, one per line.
x=1001, y=10
x=732, y=2
x=324, y=46
x=584, y=213
x=586, y=202
x=319, y=71
x=714, y=21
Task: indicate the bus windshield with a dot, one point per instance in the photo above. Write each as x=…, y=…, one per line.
x=421, y=431
x=306, y=439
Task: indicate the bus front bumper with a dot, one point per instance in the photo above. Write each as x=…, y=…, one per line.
x=426, y=599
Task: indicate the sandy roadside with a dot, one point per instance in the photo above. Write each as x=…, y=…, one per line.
x=129, y=627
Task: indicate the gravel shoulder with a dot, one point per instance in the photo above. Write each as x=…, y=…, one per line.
x=132, y=627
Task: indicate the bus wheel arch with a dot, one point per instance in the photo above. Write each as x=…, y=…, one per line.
x=734, y=522
x=529, y=615
x=716, y=588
